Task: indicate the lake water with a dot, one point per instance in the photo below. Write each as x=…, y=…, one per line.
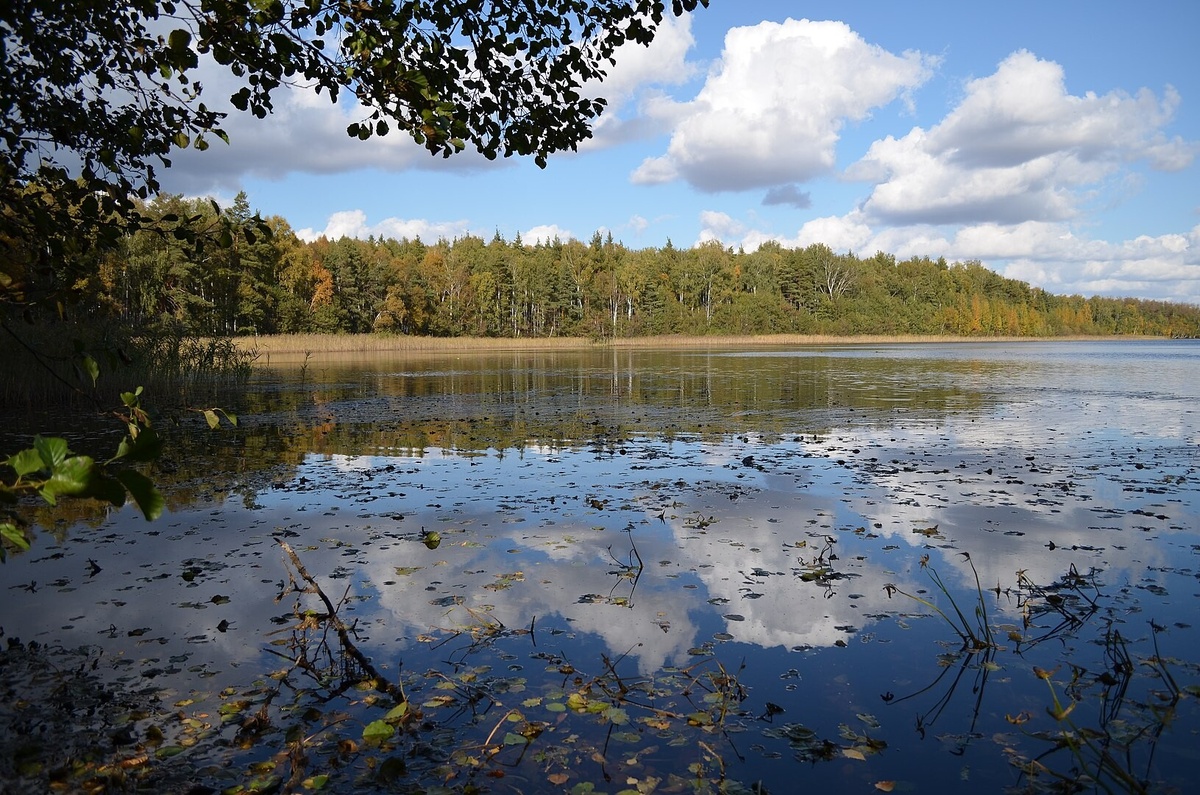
x=910, y=568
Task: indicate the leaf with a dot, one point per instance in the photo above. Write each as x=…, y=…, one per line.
x=213, y=420
x=853, y=753
x=108, y=489
x=143, y=492
x=618, y=716
x=14, y=535
x=52, y=449
x=25, y=462
x=511, y=738
x=378, y=732
x=71, y=477
x=179, y=39
x=130, y=399
x=90, y=367
x=870, y=720
x=885, y=786
x=397, y=712
x=146, y=446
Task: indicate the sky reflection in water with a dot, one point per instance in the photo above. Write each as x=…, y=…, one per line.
x=1041, y=458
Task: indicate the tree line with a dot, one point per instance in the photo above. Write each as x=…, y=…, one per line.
x=262, y=279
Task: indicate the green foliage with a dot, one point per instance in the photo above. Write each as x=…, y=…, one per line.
x=51, y=470
x=599, y=290
x=98, y=94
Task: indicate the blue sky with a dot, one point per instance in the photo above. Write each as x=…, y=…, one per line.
x=1055, y=142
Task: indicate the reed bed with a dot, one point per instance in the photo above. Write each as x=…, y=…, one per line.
x=288, y=346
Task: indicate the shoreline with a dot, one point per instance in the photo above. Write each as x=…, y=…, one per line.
x=318, y=345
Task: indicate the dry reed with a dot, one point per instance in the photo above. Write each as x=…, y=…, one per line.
x=287, y=347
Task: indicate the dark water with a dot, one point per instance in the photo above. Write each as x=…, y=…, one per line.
x=664, y=571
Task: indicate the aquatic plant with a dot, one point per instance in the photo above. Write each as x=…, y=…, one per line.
x=1116, y=752
x=976, y=635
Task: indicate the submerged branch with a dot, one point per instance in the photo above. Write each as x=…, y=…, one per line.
x=384, y=685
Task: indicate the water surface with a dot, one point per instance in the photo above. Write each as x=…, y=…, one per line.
x=661, y=571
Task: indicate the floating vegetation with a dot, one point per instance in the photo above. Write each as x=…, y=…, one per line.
x=584, y=578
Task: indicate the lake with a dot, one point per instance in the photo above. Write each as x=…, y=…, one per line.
x=909, y=568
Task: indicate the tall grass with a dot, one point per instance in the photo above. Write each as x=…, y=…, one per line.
x=50, y=365
x=296, y=345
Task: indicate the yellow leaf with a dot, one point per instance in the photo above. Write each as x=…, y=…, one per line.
x=853, y=753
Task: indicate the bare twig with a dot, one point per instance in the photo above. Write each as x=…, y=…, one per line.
x=384, y=685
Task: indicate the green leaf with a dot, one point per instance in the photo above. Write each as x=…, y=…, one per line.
x=146, y=446
x=90, y=367
x=13, y=535
x=397, y=712
x=511, y=738
x=70, y=478
x=618, y=716
x=25, y=462
x=108, y=489
x=213, y=419
x=140, y=487
x=130, y=399
x=179, y=39
x=52, y=449
x=378, y=732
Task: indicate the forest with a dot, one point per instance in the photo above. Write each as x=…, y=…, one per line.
x=258, y=277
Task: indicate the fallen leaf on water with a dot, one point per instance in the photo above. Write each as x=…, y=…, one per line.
x=885, y=786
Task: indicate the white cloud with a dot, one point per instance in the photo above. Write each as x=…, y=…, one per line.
x=546, y=233
x=1008, y=178
x=845, y=233
x=772, y=109
x=1046, y=255
x=306, y=133
x=719, y=226
x=353, y=223
x=636, y=105
x=1017, y=148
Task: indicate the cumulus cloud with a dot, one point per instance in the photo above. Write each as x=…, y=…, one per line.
x=353, y=223
x=546, y=233
x=1009, y=177
x=637, y=106
x=1018, y=148
x=305, y=134
x=1050, y=255
x=772, y=109
x=720, y=227
x=788, y=195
